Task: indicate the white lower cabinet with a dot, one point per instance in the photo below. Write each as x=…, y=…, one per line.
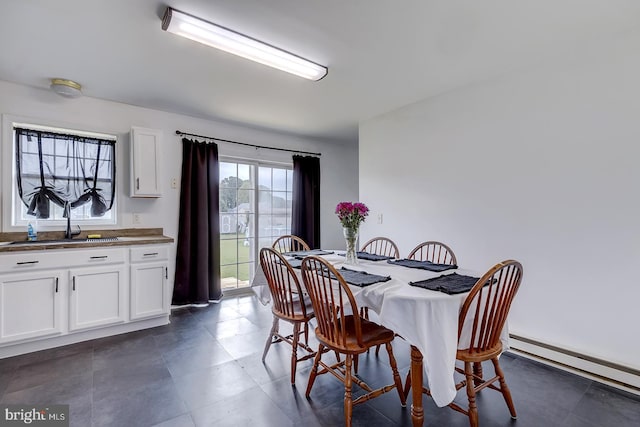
x=149, y=274
x=30, y=305
x=148, y=290
x=97, y=297
x=54, y=297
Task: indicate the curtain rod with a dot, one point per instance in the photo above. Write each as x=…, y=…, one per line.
x=178, y=132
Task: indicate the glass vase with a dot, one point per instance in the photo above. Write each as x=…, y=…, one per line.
x=351, y=238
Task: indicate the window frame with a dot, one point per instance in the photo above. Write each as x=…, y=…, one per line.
x=254, y=256
x=12, y=206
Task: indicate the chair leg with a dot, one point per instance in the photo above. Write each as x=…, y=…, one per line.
x=294, y=351
x=477, y=370
x=356, y=359
x=506, y=393
x=306, y=333
x=471, y=395
x=396, y=375
x=364, y=314
x=314, y=370
x=348, y=402
x=407, y=385
x=274, y=329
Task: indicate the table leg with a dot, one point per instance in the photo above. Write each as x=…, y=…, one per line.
x=417, y=412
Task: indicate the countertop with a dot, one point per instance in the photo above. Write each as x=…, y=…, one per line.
x=55, y=239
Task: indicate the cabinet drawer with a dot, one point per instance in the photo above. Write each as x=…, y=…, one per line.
x=98, y=256
x=149, y=253
x=36, y=260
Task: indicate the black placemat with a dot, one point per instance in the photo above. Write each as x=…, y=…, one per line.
x=449, y=283
x=295, y=262
x=361, y=278
x=302, y=254
x=371, y=257
x=424, y=265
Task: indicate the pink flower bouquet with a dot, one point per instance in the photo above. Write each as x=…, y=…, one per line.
x=350, y=214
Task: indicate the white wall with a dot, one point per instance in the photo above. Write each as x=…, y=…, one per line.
x=339, y=162
x=539, y=166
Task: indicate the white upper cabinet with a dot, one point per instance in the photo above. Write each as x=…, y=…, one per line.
x=145, y=162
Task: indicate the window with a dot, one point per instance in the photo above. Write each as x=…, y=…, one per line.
x=56, y=169
x=255, y=208
x=274, y=209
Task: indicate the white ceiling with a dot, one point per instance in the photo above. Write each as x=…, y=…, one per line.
x=381, y=54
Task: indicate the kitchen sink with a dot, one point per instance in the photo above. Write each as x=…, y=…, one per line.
x=43, y=242
x=63, y=241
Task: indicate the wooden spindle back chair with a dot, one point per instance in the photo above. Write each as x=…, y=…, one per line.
x=341, y=329
x=480, y=325
x=288, y=304
x=290, y=243
x=381, y=246
x=435, y=252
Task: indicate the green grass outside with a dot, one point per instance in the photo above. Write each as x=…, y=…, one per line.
x=232, y=252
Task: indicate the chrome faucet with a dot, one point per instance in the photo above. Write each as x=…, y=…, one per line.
x=68, y=233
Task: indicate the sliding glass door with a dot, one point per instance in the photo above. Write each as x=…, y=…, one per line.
x=255, y=208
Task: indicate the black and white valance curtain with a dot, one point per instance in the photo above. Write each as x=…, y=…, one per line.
x=66, y=170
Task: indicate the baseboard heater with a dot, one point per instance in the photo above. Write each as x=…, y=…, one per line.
x=614, y=374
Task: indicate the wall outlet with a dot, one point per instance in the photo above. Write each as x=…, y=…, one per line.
x=137, y=219
x=379, y=218
x=174, y=183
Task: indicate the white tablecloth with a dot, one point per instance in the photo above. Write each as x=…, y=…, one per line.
x=426, y=319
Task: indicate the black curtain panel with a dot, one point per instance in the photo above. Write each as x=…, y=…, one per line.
x=66, y=170
x=305, y=220
x=197, y=279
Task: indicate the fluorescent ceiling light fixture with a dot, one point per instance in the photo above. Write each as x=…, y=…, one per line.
x=213, y=35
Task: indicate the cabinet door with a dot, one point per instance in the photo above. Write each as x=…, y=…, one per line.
x=30, y=305
x=97, y=297
x=149, y=295
x=145, y=162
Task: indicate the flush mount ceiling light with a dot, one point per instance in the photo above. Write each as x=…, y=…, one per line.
x=238, y=44
x=66, y=88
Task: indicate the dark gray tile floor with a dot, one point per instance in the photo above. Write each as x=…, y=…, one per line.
x=204, y=369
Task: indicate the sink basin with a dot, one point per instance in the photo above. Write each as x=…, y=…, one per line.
x=130, y=238
x=42, y=242
x=62, y=241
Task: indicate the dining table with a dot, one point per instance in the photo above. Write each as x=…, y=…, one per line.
x=426, y=319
